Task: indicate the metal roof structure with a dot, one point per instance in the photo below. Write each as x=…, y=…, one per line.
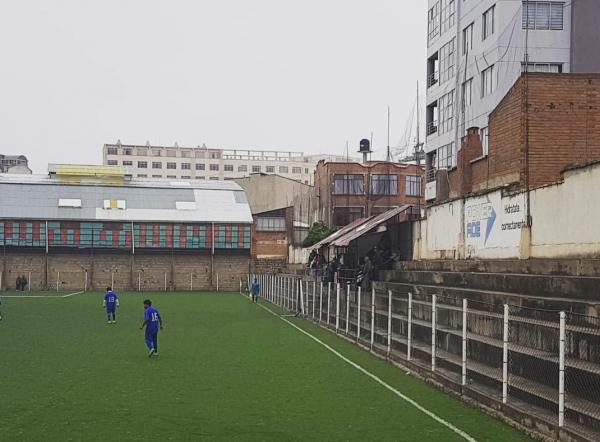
x=338, y=233
x=367, y=226
x=102, y=198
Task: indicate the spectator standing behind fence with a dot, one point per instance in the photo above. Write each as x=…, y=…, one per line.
x=367, y=273
x=255, y=290
x=21, y=283
x=332, y=269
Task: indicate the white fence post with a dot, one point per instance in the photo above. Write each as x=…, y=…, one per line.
x=314, y=295
x=464, y=342
x=372, y=317
x=165, y=282
x=389, y=328
x=307, y=299
x=217, y=282
x=561, y=371
x=139, y=282
x=192, y=282
x=57, y=281
x=358, y=315
x=302, y=309
x=112, y=280
x=409, y=338
x=337, y=308
x=505, y=357
x=328, y=300
x=433, y=323
x=347, y=308
x=321, y=302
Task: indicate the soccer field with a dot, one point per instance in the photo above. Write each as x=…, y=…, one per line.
x=227, y=370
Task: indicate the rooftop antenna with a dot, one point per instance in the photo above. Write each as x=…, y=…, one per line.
x=389, y=156
x=418, y=144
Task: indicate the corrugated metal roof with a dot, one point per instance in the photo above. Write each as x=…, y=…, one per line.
x=35, y=197
x=338, y=233
x=370, y=224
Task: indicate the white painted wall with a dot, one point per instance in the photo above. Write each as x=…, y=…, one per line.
x=492, y=226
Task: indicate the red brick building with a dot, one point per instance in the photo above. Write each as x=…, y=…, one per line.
x=347, y=191
x=545, y=123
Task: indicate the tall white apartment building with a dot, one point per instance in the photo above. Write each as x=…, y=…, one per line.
x=476, y=52
x=203, y=163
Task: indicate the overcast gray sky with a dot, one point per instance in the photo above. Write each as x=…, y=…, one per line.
x=268, y=74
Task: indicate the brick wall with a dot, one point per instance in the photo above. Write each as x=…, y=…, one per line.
x=563, y=114
x=124, y=272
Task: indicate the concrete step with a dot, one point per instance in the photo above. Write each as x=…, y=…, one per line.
x=548, y=286
x=566, y=267
x=580, y=306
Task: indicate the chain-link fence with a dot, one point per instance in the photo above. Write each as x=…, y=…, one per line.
x=546, y=359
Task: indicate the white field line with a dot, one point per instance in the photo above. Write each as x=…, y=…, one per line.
x=72, y=294
x=415, y=404
x=41, y=296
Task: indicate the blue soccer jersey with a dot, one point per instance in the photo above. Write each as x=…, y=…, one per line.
x=152, y=317
x=110, y=298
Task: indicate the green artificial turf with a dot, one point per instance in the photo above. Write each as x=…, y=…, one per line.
x=227, y=370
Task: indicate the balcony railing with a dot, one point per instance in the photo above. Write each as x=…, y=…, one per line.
x=432, y=127
x=433, y=79
x=430, y=175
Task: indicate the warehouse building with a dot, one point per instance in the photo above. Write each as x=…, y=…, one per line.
x=87, y=227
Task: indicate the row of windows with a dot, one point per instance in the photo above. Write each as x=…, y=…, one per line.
x=212, y=167
x=380, y=184
x=145, y=151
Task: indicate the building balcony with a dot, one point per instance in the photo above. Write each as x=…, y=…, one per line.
x=433, y=79
x=432, y=127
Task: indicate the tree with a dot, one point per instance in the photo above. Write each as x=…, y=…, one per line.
x=317, y=232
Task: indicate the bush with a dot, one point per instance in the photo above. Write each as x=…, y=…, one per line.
x=317, y=232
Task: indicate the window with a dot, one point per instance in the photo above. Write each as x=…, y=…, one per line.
x=433, y=22
x=199, y=154
x=127, y=163
x=156, y=152
x=488, y=23
x=141, y=151
x=214, y=155
x=127, y=151
x=156, y=165
x=171, y=165
x=200, y=178
x=255, y=169
x=543, y=16
x=446, y=112
x=487, y=81
x=171, y=153
x=345, y=215
x=172, y=177
x=555, y=68
x=413, y=185
x=348, y=185
x=200, y=167
x=185, y=154
x=112, y=151
x=445, y=156
x=142, y=175
x=243, y=168
x=467, y=36
x=447, y=61
x=485, y=135
x=283, y=169
x=214, y=167
x=214, y=178
x=448, y=14
x=306, y=170
x=228, y=167
x=142, y=164
x=467, y=94
x=156, y=176
x=384, y=184
x=270, y=169
x=112, y=162
x=186, y=177
x=186, y=166
x=270, y=224
x=296, y=170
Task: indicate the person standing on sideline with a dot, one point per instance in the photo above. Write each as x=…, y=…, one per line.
x=111, y=302
x=255, y=290
x=152, y=321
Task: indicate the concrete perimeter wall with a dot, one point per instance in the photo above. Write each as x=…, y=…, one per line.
x=493, y=225
x=144, y=271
